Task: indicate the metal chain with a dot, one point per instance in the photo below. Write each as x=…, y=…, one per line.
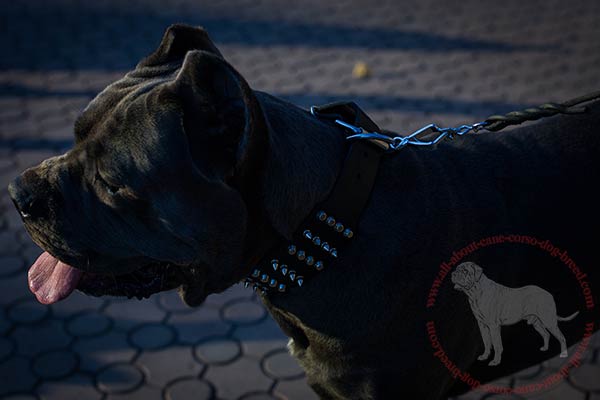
x=493, y=123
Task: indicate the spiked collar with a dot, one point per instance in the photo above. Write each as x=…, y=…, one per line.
x=332, y=224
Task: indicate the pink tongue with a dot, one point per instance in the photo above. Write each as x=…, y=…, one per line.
x=52, y=280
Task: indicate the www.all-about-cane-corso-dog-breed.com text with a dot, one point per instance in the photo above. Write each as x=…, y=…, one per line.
x=183, y=177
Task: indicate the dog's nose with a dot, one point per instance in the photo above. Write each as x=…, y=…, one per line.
x=28, y=205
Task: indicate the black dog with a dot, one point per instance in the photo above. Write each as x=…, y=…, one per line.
x=183, y=177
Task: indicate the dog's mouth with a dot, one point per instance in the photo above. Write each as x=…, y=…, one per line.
x=52, y=280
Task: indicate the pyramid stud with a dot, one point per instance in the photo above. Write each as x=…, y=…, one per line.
x=308, y=234
x=339, y=227
x=348, y=233
x=284, y=269
x=256, y=273
x=319, y=265
x=300, y=281
x=330, y=221
x=263, y=290
x=333, y=252
x=264, y=278
x=281, y=287
x=291, y=249
x=273, y=282
x=321, y=215
x=275, y=264
x=317, y=240
x=310, y=260
x=292, y=275
x=325, y=246
x=301, y=255
x=255, y=287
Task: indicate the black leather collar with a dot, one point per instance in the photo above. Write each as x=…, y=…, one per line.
x=332, y=224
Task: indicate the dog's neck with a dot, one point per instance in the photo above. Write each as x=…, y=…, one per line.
x=302, y=160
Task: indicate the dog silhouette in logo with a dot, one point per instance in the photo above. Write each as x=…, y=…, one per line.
x=494, y=305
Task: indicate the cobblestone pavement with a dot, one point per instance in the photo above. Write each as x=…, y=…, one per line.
x=429, y=61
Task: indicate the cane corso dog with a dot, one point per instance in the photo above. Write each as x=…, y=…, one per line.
x=494, y=305
x=182, y=176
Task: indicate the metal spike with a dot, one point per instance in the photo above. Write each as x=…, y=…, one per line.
x=301, y=255
x=307, y=234
x=292, y=275
x=300, y=281
x=273, y=282
x=339, y=227
x=317, y=240
x=246, y=284
x=319, y=265
x=284, y=269
x=333, y=252
x=281, y=287
x=264, y=278
x=325, y=246
x=310, y=260
x=255, y=287
x=330, y=221
x=291, y=249
x=263, y=290
x=321, y=215
x=256, y=273
x=275, y=264
x=348, y=233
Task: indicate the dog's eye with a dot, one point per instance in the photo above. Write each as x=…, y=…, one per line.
x=110, y=189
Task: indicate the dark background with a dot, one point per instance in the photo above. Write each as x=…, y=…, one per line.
x=430, y=61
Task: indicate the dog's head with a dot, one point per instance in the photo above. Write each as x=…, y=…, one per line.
x=144, y=201
x=466, y=275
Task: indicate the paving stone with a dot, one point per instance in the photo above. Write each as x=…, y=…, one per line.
x=8, y=243
x=15, y=375
x=295, y=389
x=234, y=380
x=55, y=364
x=119, y=378
x=561, y=391
x=97, y=352
x=218, y=351
x=259, y=396
x=28, y=311
x=164, y=366
x=189, y=389
x=90, y=323
x=281, y=365
x=170, y=301
x=40, y=338
x=5, y=324
x=74, y=387
x=259, y=339
x=143, y=393
x=76, y=303
x=244, y=312
x=14, y=287
x=128, y=314
x=10, y=264
x=152, y=336
x=586, y=377
x=20, y=397
x=7, y=348
x=204, y=322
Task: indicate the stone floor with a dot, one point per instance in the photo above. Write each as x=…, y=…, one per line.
x=443, y=61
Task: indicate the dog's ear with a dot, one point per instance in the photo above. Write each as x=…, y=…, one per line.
x=477, y=271
x=220, y=114
x=176, y=42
